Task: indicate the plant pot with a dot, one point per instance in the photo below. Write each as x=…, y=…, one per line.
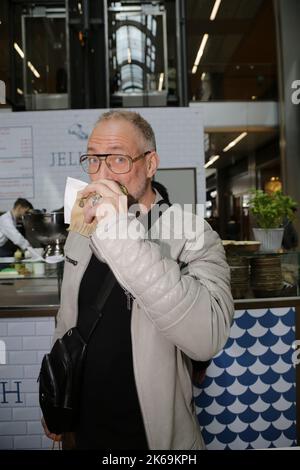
x=270, y=238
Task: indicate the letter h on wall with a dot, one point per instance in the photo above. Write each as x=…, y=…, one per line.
x=7, y=392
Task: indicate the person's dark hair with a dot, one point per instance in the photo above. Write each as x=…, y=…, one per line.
x=20, y=202
x=162, y=190
x=136, y=120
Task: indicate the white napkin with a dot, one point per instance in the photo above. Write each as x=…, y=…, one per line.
x=54, y=259
x=35, y=256
x=72, y=187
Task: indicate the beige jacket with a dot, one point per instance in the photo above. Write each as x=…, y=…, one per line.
x=182, y=309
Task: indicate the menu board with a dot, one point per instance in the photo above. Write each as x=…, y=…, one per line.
x=16, y=162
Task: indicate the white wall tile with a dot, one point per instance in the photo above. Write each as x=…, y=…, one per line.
x=11, y=372
x=21, y=328
x=27, y=442
x=26, y=414
x=13, y=343
x=31, y=372
x=32, y=399
x=3, y=327
x=22, y=319
x=5, y=414
x=11, y=428
x=6, y=442
x=45, y=328
x=40, y=355
x=22, y=357
x=36, y=343
x=27, y=340
x=35, y=427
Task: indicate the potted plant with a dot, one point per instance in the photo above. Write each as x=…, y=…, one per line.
x=271, y=211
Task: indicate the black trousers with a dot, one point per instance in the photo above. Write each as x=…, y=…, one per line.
x=8, y=249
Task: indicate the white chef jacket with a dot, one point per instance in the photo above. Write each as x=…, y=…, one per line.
x=8, y=231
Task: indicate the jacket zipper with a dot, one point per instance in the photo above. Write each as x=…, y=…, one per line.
x=129, y=298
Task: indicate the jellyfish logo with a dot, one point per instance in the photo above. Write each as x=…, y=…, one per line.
x=76, y=129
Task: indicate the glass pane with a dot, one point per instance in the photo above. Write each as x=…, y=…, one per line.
x=130, y=44
x=231, y=50
x=137, y=52
x=237, y=162
x=46, y=70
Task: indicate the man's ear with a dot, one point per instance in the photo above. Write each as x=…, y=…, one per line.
x=152, y=164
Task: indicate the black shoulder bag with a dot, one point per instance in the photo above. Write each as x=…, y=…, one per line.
x=61, y=372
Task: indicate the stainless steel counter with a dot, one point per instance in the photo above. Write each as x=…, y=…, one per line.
x=29, y=297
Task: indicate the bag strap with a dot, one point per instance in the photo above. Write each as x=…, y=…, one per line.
x=105, y=290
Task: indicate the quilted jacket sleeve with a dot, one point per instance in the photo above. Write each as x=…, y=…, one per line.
x=193, y=307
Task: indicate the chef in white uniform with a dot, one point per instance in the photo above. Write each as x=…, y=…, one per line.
x=9, y=234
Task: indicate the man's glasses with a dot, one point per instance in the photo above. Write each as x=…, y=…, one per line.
x=116, y=163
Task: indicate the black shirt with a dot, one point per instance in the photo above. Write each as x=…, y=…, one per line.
x=110, y=415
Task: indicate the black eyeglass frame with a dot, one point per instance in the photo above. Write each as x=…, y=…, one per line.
x=104, y=156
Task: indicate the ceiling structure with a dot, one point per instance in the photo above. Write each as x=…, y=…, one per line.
x=250, y=144
x=239, y=58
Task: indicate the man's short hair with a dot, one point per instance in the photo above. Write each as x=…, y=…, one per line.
x=21, y=202
x=136, y=120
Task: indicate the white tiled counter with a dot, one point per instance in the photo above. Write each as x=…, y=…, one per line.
x=25, y=336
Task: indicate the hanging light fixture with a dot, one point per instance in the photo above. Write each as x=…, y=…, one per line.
x=273, y=185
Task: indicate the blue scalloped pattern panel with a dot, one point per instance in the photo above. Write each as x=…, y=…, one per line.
x=248, y=398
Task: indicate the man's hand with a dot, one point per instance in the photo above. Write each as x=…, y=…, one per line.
x=54, y=437
x=111, y=202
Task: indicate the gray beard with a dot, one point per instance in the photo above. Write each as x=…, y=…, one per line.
x=138, y=194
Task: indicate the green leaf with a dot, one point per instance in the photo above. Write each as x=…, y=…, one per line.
x=271, y=210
